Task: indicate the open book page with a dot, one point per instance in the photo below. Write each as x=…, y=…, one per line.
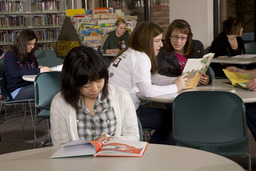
x=123, y=148
x=194, y=68
x=57, y=68
x=237, y=78
x=97, y=148
x=77, y=148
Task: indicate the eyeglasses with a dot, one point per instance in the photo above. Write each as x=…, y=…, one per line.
x=176, y=38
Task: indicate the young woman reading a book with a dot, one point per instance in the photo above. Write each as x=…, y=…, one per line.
x=135, y=69
x=20, y=60
x=87, y=107
x=178, y=47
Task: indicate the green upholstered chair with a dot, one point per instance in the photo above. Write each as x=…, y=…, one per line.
x=213, y=121
x=250, y=47
x=46, y=86
x=8, y=100
x=140, y=130
x=48, y=58
x=207, y=50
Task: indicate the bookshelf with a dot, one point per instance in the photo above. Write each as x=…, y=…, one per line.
x=44, y=17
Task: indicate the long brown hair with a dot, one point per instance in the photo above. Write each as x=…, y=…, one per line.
x=232, y=26
x=142, y=40
x=20, y=48
x=183, y=27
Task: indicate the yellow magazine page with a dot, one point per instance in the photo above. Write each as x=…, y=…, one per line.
x=237, y=77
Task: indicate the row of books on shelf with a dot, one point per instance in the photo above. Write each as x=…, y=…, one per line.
x=42, y=35
x=12, y=21
x=47, y=5
x=48, y=34
x=48, y=19
x=11, y=6
x=48, y=46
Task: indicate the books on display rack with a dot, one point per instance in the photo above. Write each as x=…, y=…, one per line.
x=194, y=68
x=120, y=148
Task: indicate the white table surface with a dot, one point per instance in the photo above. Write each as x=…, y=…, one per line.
x=30, y=78
x=230, y=60
x=156, y=157
x=217, y=85
x=109, y=54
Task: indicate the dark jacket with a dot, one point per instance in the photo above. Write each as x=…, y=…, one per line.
x=14, y=71
x=168, y=65
x=110, y=41
x=221, y=47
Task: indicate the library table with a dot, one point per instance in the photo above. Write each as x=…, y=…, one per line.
x=239, y=59
x=156, y=157
x=217, y=85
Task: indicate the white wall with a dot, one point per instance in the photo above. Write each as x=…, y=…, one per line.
x=198, y=13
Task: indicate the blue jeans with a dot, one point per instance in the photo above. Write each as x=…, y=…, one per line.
x=27, y=92
x=108, y=61
x=158, y=119
x=251, y=118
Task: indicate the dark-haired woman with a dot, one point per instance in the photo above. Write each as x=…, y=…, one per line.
x=20, y=60
x=88, y=107
x=228, y=43
x=178, y=48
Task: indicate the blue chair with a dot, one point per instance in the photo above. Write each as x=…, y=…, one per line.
x=212, y=121
x=207, y=50
x=48, y=58
x=8, y=100
x=250, y=47
x=46, y=86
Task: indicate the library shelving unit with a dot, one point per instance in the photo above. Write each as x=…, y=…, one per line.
x=44, y=17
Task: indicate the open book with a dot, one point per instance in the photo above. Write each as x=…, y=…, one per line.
x=238, y=79
x=194, y=68
x=119, y=148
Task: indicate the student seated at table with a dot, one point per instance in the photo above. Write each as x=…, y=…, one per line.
x=250, y=107
x=227, y=43
x=20, y=60
x=87, y=107
x=178, y=48
x=135, y=69
x=113, y=40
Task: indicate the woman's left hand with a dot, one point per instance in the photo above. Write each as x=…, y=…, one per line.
x=104, y=138
x=204, y=79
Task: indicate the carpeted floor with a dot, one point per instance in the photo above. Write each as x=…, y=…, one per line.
x=13, y=138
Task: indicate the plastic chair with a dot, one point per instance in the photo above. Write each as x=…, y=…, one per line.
x=140, y=129
x=213, y=121
x=207, y=50
x=48, y=58
x=8, y=100
x=250, y=47
x=46, y=86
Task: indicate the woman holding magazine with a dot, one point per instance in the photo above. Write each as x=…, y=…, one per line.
x=178, y=48
x=88, y=108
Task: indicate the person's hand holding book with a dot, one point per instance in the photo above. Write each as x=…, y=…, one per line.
x=251, y=85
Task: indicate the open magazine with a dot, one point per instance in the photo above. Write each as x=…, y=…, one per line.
x=238, y=79
x=195, y=67
x=119, y=148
